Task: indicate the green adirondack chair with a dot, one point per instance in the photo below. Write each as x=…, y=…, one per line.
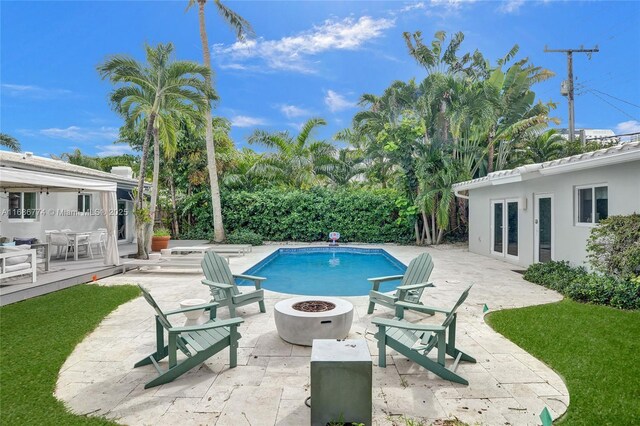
x=223, y=288
x=413, y=283
x=415, y=341
x=197, y=342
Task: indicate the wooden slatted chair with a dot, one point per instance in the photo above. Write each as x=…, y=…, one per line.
x=415, y=341
x=414, y=281
x=197, y=342
x=223, y=287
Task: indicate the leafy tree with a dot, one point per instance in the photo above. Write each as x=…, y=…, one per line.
x=143, y=92
x=297, y=162
x=241, y=28
x=10, y=142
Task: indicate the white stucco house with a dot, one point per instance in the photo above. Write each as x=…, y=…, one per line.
x=39, y=194
x=541, y=212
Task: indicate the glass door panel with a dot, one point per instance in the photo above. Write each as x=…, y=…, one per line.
x=544, y=229
x=498, y=220
x=512, y=228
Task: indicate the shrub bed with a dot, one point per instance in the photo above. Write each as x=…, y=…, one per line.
x=240, y=236
x=580, y=285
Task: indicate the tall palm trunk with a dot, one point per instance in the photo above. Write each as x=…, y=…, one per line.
x=211, y=150
x=174, y=207
x=141, y=220
x=154, y=188
x=491, y=150
x=427, y=230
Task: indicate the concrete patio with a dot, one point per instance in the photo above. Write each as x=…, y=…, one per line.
x=271, y=381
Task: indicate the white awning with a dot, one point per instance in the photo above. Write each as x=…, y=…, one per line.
x=12, y=179
x=15, y=179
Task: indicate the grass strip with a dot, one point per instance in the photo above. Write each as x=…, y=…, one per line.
x=594, y=348
x=36, y=337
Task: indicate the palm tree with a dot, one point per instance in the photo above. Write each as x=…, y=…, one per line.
x=513, y=109
x=242, y=28
x=298, y=161
x=146, y=91
x=10, y=142
x=348, y=164
x=543, y=147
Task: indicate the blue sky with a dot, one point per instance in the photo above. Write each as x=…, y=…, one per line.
x=309, y=59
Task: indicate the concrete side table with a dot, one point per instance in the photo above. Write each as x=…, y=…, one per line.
x=341, y=382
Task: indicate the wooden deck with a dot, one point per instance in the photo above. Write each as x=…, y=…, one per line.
x=63, y=274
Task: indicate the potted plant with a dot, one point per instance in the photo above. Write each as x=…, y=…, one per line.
x=160, y=239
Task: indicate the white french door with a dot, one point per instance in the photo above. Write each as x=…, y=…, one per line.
x=544, y=228
x=504, y=227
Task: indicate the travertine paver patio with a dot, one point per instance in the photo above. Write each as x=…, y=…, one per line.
x=271, y=382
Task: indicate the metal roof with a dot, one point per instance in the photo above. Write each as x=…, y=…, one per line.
x=43, y=164
x=617, y=154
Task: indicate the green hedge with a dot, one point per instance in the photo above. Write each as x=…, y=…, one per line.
x=582, y=286
x=614, y=246
x=360, y=215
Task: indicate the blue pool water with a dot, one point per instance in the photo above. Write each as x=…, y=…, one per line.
x=326, y=271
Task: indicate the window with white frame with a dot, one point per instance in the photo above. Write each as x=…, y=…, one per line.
x=592, y=204
x=23, y=205
x=84, y=203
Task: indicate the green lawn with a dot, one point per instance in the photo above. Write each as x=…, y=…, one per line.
x=595, y=349
x=36, y=337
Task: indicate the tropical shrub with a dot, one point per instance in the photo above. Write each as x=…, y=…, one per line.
x=582, y=286
x=360, y=215
x=243, y=236
x=161, y=232
x=614, y=246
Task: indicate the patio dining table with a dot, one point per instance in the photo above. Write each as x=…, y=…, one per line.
x=75, y=236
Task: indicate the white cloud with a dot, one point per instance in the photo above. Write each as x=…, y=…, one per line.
x=413, y=6
x=109, y=150
x=337, y=102
x=78, y=134
x=74, y=133
x=631, y=126
x=511, y=6
x=292, y=53
x=33, y=92
x=246, y=121
x=441, y=8
x=292, y=111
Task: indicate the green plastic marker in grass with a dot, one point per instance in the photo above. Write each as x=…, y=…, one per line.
x=546, y=417
x=485, y=309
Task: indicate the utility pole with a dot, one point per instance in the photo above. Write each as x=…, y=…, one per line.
x=567, y=86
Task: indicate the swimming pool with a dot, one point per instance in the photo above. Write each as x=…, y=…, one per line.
x=326, y=271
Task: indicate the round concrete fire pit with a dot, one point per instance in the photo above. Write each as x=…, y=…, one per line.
x=299, y=320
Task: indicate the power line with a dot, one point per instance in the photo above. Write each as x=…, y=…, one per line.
x=611, y=96
x=584, y=88
x=614, y=106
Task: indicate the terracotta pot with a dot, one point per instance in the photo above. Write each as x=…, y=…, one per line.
x=159, y=243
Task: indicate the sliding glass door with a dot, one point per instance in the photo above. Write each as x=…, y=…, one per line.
x=504, y=227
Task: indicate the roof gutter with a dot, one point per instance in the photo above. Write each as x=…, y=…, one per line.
x=457, y=193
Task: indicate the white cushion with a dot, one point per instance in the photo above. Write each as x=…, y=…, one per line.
x=17, y=267
x=15, y=251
